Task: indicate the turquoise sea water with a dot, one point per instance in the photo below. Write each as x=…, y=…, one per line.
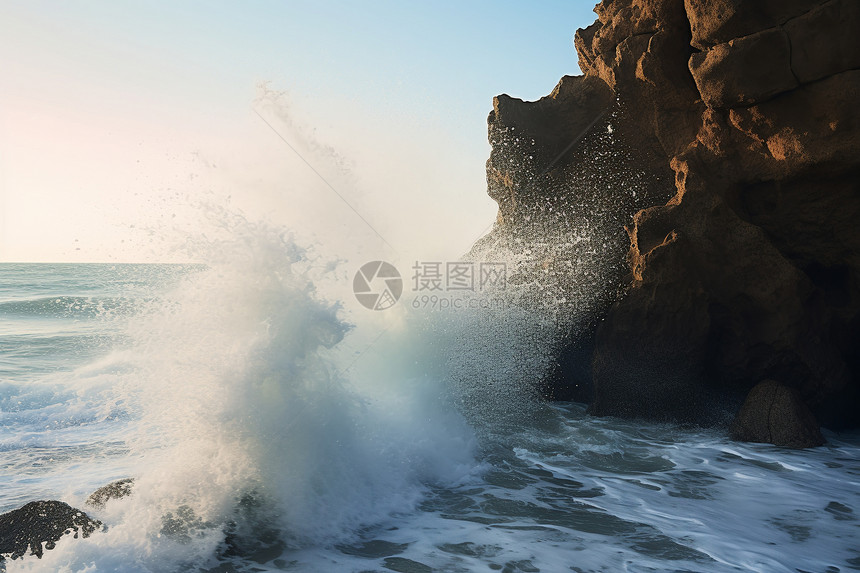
x=215, y=385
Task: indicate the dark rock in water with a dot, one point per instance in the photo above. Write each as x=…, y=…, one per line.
x=373, y=549
x=183, y=525
x=403, y=565
x=742, y=251
x=114, y=490
x=41, y=523
x=776, y=414
x=252, y=535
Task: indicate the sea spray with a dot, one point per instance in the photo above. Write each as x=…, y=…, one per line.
x=236, y=391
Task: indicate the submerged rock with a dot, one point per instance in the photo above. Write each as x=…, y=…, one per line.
x=184, y=525
x=252, y=534
x=776, y=414
x=37, y=526
x=742, y=252
x=114, y=490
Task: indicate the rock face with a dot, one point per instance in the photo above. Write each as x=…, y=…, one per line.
x=743, y=256
x=554, y=170
x=38, y=525
x=114, y=490
x=776, y=414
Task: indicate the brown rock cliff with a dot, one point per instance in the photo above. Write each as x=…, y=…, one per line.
x=739, y=132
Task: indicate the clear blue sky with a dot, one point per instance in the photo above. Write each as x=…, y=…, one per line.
x=109, y=108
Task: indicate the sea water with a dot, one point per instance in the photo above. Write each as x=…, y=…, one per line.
x=269, y=429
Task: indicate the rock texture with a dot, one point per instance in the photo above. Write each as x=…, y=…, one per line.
x=743, y=253
x=37, y=526
x=555, y=169
x=114, y=490
x=776, y=414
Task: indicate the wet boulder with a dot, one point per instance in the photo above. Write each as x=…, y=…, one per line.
x=114, y=490
x=776, y=414
x=37, y=526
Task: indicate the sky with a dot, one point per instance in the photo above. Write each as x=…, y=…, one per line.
x=123, y=123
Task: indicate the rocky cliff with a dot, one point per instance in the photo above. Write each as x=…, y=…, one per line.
x=717, y=144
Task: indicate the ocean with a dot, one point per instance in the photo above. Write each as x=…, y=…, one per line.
x=270, y=427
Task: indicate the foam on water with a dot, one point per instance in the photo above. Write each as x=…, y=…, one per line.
x=605, y=496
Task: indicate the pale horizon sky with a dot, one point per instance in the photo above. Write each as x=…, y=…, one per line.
x=119, y=119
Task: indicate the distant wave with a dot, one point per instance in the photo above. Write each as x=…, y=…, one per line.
x=68, y=306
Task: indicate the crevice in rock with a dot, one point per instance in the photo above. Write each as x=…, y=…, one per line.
x=810, y=11
x=769, y=418
x=791, y=58
x=691, y=49
x=614, y=48
x=784, y=93
x=646, y=33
